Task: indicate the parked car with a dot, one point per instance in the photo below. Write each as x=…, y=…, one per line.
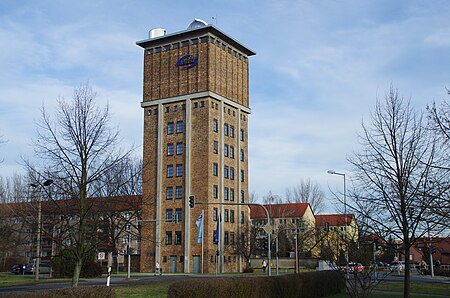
x=22, y=269
x=353, y=267
x=43, y=269
x=397, y=266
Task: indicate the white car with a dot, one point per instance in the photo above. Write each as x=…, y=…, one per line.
x=397, y=266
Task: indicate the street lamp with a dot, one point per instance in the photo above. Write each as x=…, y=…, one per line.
x=332, y=172
x=38, y=242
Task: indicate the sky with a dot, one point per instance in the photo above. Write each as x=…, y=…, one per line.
x=319, y=67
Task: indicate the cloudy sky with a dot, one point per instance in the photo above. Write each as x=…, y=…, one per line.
x=319, y=67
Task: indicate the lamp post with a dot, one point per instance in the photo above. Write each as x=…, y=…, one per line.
x=38, y=242
x=332, y=172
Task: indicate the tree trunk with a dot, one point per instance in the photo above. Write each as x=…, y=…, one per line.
x=76, y=273
x=407, y=280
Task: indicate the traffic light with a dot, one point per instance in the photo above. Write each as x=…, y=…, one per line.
x=433, y=249
x=217, y=252
x=265, y=244
x=192, y=201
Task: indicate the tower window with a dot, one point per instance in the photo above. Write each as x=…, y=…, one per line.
x=170, y=127
x=179, y=214
x=176, y=45
x=231, y=173
x=194, y=41
x=179, y=170
x=242, y=176
x=215, y=191
x=204, y=39
x=179, y=192
x=168, y=237
x=241, y=156
x=242, y=217
x=167, y=48
x=225, y=172
x=225, y=193
x=157, y=49
x=195, y=105
x=170, y=149
x=215, y=125
x=231, y=215
x=226, y=238
x=185, y=43
x=242, y=135
x=242, y=196
x=169, y=216
x=179, y=148
x=232, y=131
x=231, y=194
x=226, y=219
x=178, y=238
x=215, y=169
x=169, y=193
x=225, y=129
x=224, y=46
x=216, y=147
x=180, y=126
x=225, y=150
x=169, y=171
x=215, y=210
x=231, y=152
x=150, y=51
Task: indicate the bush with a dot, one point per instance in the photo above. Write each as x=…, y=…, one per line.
x=64, y=265
x=441, y=272
x=309, y=284
x=85, y=292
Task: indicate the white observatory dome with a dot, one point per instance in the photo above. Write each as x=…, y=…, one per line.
x=197, y=23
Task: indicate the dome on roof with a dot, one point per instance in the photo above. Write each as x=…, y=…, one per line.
x=197, y=23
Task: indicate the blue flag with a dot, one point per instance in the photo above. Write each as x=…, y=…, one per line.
x=199, y=223
x=217, y=234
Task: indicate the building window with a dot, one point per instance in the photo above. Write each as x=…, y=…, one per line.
x=226, y=238
x=241, y=156
x=176, y=46
x=225, y=172
x=180, y=126
x=231, y=194
x=231, y=152
x=169, y=237
x=169, y=193
x=226, y=215
x=231, y=173
x=178, y=238
x=179, y=170
x=204, y=39
x=231, y=215
x=242, y=196
x=215, y=125
x=170, y=149
x=150, y=51
x=225, y=150
x=215, y=210
x=167, y=109
x=169, y=171
x=157, y=49
x=225, y=129
x=215, y=169
x=194, y=41
x=164, y=259
x=242, y=217
x=215, y=191
x=185, y=43
x=167, y=48
x=242, y=176
x=170, y=127
x=242, y=135
x=216, y=147
x=232, y=131
x=179, y=148
x=202, y=103
x=178, y=214
x=232, y=241
x=179, y=192
x=169, y=215
x=225, y=193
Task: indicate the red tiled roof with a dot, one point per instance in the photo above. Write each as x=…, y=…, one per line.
x=279, y=210
x=333, y=220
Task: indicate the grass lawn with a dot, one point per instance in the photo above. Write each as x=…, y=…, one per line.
x=152, y=290
x=8, y=279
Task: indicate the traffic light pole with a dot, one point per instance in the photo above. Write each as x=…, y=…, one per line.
x=268, y=222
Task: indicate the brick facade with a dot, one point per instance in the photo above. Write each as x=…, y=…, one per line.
x=207, y=106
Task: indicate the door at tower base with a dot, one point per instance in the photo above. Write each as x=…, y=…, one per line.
x=197, y=264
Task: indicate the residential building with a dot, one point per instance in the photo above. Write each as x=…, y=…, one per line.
x=196, y=108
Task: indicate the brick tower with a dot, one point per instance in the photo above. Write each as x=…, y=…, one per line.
x=196, y=107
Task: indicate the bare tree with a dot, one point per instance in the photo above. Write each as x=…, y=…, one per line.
x=307, y=191
x=271, y=198
x=77, y=148
x=2, y=141
x=397, y=158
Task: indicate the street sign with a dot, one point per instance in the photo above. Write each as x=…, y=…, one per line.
x=268, y=228
x=101, y=256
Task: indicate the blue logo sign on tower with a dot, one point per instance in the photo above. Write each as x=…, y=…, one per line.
x=188, y=61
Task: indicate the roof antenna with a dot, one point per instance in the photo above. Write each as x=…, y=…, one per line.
x=215, y=18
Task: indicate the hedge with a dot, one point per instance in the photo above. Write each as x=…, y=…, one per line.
x=308, y=284
x=85, y=292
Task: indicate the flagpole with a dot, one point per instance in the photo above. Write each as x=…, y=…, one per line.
x=203, y=224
